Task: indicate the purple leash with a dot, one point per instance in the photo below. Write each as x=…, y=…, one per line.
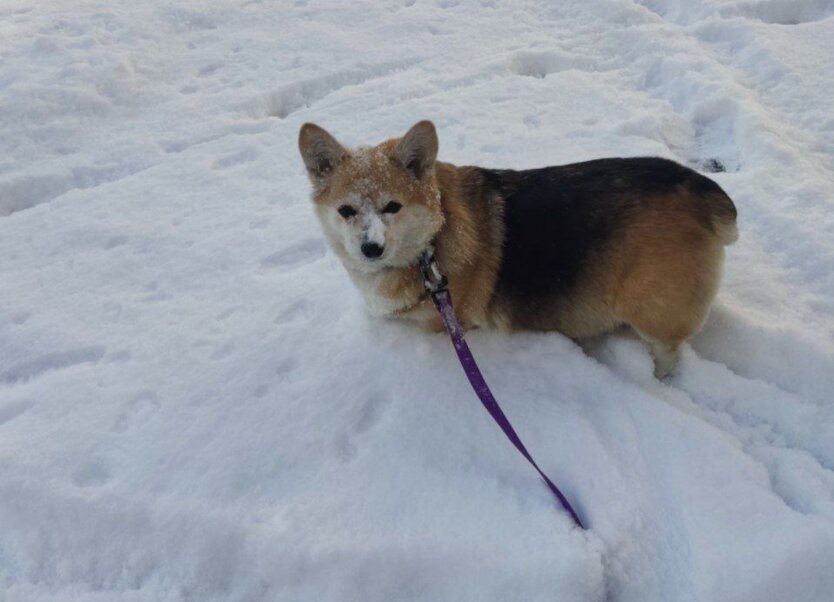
x=436, y=285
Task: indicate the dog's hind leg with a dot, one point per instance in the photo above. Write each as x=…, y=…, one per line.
x=665, y=322
x=665, y=355
x=670, y=281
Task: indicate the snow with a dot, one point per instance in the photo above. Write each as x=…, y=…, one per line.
x=194, y=404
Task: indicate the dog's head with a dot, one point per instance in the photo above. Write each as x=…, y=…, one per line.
x=379, y=206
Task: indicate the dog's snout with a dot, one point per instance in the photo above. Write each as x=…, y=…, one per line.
x=371, y=250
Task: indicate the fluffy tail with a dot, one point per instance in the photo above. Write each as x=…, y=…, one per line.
x=724, y=216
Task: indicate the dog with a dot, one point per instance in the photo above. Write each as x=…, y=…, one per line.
x=580, y=249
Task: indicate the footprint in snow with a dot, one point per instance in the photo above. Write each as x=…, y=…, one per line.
x=120, y=356
x=239, y=158
x=13, y=409
x=155, y=293
x=285, y=368
x=259, y=224
x=368, y=415
x=299, y=309
x=781, y=13
x=138, y=411
x=532, y=121
x=20, y=317
x=226, y=313
x=223, y=352
x=115, y=241
x=295, y=256
x=210, y=69
x=93, y=473
x=716, y=138
x=58, y=360
x=370, y=412
x=541, y=64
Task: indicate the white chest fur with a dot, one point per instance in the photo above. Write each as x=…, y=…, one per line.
x=410, y=307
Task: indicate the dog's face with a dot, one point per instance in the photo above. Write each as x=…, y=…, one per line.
x=379, y=206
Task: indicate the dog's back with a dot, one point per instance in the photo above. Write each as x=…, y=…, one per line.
x=592, y=245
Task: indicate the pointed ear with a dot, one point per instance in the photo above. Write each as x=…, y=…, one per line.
x=417, y=150
x=320, y=151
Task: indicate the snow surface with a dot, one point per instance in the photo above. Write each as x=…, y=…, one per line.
x=195, y=406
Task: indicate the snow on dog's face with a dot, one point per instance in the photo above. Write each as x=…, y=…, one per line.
x=379, y=206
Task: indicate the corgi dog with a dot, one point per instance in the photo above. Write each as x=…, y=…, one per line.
x=580, y=249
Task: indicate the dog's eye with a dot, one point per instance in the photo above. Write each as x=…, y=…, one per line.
x=346, y=211
x=392, y=207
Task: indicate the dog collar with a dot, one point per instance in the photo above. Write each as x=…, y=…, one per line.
x=433, y=279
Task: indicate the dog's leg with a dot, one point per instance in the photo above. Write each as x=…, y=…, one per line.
x=664, y=335
x=665, y=356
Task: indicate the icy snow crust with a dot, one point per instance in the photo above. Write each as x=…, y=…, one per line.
x=195, y=406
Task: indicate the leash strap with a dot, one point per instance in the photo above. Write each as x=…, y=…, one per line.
x=436, y=285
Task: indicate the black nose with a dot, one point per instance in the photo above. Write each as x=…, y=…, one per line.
x=371, y=250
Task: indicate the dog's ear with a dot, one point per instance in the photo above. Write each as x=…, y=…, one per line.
x=417, y=150
x=320, y=151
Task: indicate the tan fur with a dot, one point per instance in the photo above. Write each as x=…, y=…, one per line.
x=659, y=277
x=667, y=278
x=658, y=274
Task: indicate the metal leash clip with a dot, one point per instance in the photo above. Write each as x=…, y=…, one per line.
x=433, y=279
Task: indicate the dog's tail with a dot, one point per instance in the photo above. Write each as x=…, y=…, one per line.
x=715, y=206
x=724, y=214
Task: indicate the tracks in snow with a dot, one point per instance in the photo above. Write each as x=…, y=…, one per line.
x=788, y=434
x=785, y=433
x=288, y=99
x=18, y=193
x=57, y=360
